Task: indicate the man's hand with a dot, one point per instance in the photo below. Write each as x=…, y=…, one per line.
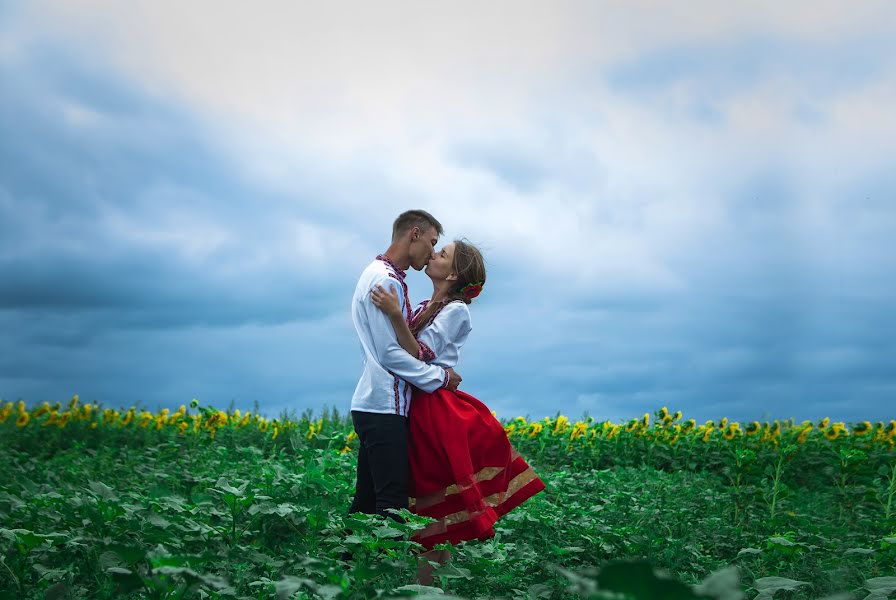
x=454, y=379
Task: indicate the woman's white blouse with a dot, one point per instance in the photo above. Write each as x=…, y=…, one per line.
x=441, y=340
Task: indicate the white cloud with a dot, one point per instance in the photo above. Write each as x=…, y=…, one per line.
x=505, y=121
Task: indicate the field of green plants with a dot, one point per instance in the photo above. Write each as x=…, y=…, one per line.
x=206, y=503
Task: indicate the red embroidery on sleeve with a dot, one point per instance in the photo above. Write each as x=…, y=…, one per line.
x=425, y=353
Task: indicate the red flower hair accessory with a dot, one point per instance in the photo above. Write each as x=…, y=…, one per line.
x=471, y=290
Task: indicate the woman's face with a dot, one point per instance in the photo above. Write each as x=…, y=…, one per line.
x=442, y=263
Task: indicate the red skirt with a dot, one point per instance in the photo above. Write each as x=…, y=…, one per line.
x=464, y=472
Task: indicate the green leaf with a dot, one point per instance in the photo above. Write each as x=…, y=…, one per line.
x=224, y=487
x=748, y=551
x=213, y=581
x=420, y=589
x=539, y=590
x=58, y=591
x=777, y=583
x=386, y=532
x=126, y=580
x=780, y=541
x=289, y=585
x=641, y=581
x=452, y=572
x=158, y=521
x=723, y=584
x=128, y=555
x=102, y=490
x=887, y=584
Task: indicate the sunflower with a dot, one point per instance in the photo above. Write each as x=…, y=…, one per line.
x=688, y=425
x=731, y=432
x=23, y=419
x=677, y=415
x=824, y=423
x=578, y=430
x=862, y=428
x=753, y=428
x=804, y=435
x=663, y=413
x=561, y=424
x=723, y=423
x=645, y=420
x=832, y=434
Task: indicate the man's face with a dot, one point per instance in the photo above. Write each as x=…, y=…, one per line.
x=422, y=247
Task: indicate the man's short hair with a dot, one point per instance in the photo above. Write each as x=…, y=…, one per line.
x=414, y=218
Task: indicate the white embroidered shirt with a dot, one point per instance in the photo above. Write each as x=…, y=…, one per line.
x=387, y=367
x=440, y=341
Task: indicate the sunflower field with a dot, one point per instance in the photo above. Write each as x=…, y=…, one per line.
x=98, y=502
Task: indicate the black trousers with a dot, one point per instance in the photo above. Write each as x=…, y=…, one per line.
x=383, y=468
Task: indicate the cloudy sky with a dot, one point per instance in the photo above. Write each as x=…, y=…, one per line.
x=693, y=208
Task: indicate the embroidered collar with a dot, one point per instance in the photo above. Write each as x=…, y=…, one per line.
x=392, y=265
x=414, y=322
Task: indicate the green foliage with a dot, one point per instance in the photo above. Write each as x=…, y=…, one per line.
x=140, y=512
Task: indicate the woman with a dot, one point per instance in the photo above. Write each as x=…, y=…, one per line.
x=464, y=472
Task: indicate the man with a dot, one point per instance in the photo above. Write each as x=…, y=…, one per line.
x=381, y=399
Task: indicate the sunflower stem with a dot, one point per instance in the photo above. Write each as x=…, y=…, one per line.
x=891, y=493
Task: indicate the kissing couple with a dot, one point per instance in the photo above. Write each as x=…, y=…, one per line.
x=424, y=444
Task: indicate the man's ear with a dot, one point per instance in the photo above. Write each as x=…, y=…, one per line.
x=415, y=233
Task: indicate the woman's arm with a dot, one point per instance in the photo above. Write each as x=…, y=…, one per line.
x=387, y=301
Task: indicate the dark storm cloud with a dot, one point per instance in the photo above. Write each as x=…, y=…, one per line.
x=77, y=145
